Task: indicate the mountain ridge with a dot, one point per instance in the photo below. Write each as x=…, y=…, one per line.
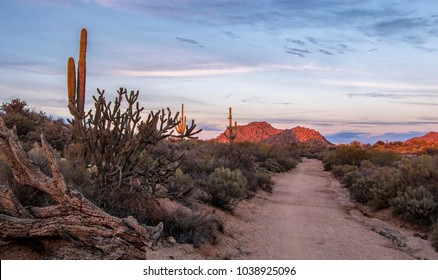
x=265, y=132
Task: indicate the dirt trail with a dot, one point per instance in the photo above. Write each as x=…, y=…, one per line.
x=310, y=216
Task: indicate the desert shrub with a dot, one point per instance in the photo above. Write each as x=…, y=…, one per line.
x=224, y=188
x=26, y=195
x=56, y=133
x=386, y=184
x=275, y=158
x=204, y=158
x=361, y=188
x=415, y=204
x=287, y=163
x=414, y=172
x=264, y=181
x=339, y=171
x=37, y=155
x=272, y=165
x=349, y=178
x=361, y=181
x=435, y=237
x=259, y=151
x=74, y=152
x=22, y=123
x=76, y=174
x=180, y=185
x=384, y=158
x=193, y=227
x=352, y=154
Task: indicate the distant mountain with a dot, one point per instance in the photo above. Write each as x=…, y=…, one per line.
x=426, y=143
x=429, y=138
x=310, y=136
x=252, y=132
x=264, y=132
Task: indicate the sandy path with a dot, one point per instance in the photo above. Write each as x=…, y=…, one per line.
x=310, y=216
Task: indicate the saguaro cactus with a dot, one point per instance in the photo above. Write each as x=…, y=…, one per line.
x=232, y=131
x=181, y=127
x=76, y=88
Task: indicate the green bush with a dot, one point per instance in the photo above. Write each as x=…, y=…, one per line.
x=272, y=165
x=414, y=172
x=384, y=158
x=361, y=181
x=352, y=154
x=192, y=227
x=180, y=185
x=361, y=188
x=225, y=188
x=415, y=204
x=339, y=171
x=264, y=181
x=386, y=184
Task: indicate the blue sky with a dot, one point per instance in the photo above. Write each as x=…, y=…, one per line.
x=354, y=69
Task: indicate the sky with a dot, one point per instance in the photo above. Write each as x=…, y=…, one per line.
x=353, y=70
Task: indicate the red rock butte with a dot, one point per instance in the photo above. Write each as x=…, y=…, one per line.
x=265, y=132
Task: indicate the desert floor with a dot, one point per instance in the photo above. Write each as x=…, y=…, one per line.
x=309, y=215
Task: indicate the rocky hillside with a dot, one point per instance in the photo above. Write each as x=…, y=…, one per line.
x=427, y=143
x=429, y=138
x=252, y=132
x=264, y=132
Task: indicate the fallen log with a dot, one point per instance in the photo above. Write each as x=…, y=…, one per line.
x=72, y=218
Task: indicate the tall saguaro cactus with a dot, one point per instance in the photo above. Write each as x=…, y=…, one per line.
x=76, y=85
x=181, y=127
x=232, y=131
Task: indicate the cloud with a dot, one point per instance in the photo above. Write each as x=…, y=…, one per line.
x=325, y=52
x=231, y=34
x=189, y=41
x=391, y=95
x=298, y=50
x=383, y=85
x=190, y=72
x=220, y=70
x=312, y=40
x=413, y=30
x=296, y=42
x=263, y=100
x=295, y=53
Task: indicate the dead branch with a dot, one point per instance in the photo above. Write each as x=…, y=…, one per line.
x=73, y=217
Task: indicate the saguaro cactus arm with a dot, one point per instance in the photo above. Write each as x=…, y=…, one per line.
x=82, y=70
x=231, y=136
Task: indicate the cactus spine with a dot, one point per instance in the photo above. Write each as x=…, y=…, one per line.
x=181, y=127
x=76, y=88
x=232, y=131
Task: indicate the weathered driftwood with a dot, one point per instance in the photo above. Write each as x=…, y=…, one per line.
x=72, y=217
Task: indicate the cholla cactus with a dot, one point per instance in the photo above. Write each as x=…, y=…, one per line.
x=232, y=131
x=181, y=127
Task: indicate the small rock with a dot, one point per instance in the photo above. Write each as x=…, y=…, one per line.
x=171, y=240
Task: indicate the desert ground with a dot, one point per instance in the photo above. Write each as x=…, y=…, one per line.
x=308, y=216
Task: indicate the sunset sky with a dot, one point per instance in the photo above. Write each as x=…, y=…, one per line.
x=352, y=70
